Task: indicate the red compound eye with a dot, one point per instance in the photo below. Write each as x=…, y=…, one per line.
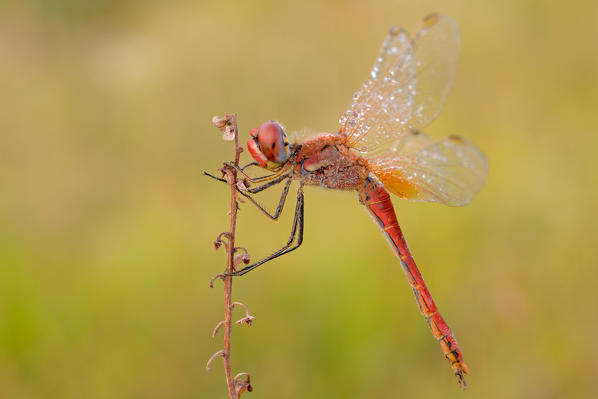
x=273, y=143
x=269, y=145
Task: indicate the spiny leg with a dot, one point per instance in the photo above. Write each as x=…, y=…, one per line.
x=249, y=164
x=258, y=165
x=214, y=177
x=258, y=179
x=296, y=231
x=257, y=189
x=281, y=203
x=252, y=180
x=263, y=187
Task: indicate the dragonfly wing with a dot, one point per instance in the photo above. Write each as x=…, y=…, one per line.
x=449, y=171
x=407, y=86
x=437, y=52
x=383, y=104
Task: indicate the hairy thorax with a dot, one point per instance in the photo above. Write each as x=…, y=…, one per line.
x=325, y=160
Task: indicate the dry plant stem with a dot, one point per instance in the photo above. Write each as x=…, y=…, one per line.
x=236, y=385
x=228, y=280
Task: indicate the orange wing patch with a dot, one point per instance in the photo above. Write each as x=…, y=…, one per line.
x=449, y=171
x=397, y=183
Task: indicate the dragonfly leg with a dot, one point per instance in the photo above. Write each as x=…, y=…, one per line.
x=249, y=164
x=260, y=178
x=214, y=177
x=258, y=189
x=283, y=198
x=256, y=179
x=296, y=232
x=250, y=179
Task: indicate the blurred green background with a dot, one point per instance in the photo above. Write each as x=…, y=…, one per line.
x=106, y=222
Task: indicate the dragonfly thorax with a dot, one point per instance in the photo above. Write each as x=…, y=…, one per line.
x=268, y=145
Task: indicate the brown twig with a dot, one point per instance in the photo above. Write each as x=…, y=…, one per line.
x=228, y=126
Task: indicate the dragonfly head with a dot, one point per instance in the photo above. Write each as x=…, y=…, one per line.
x=268, y=145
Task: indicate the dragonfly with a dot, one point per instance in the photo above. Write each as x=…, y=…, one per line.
x=379, y=148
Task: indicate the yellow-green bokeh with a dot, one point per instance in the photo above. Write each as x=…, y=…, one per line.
x=106, y=222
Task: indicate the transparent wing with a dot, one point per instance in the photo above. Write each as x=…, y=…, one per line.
x=383, y=105
x=437, y=52
x=449, y=171
x=407, y=86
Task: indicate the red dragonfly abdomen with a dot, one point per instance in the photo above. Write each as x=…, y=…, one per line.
x=375, y=197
